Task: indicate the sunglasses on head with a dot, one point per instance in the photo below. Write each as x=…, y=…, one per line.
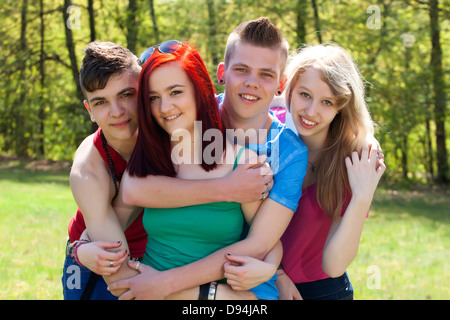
x=170, y=46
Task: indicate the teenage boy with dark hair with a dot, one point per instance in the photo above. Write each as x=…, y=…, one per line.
x=108, y=77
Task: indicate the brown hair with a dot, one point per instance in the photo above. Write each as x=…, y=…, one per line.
x=259, y=32
x=101, y=61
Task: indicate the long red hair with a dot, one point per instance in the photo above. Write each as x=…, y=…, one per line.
x=152, y=153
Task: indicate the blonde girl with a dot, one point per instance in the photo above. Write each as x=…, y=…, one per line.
x=325, y=98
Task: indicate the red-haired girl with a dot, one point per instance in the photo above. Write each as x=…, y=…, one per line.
x=178, y=114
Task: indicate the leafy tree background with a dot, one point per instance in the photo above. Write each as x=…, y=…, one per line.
x=401, y=47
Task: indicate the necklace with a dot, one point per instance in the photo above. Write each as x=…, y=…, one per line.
x=313, y=166
x=112, y=169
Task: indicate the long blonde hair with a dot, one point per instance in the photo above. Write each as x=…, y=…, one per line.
x=351, y=126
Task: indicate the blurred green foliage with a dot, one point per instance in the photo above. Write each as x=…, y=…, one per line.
x=41, y=114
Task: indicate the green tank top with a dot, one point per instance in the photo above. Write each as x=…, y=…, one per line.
x=179, y=236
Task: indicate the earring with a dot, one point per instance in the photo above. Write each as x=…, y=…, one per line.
x=92, y=118
x=279, y=92
x=221, y=81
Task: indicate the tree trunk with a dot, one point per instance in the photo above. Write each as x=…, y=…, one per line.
x=404, y=150
x=21, y=143
x=212, y=32
x=92, y=19
x=155, y=24
x=439, y=93
x=429, y=149
x=94, y=125
x=317, y=21
x=301, y=25
x=132, y=27
x=41, y=115
x=71, y=50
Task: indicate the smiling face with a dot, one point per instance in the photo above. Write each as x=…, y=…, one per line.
x=252, y=78
x=313, y=106
x=172, y=98
x=114, y=108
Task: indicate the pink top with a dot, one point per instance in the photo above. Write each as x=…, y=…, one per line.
x=305, y=238
x=280, y=113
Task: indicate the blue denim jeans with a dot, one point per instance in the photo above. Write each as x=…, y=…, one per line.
x=75, y=279
x=327, y=289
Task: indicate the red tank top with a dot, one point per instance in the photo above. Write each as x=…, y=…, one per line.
x=135, y=233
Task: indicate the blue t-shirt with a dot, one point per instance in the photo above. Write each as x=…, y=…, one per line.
x=288, y=159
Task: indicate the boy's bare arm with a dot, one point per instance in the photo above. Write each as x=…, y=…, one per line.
x=92, y=189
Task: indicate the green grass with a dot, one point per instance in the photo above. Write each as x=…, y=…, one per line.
x=406, y=239
x=35, y=208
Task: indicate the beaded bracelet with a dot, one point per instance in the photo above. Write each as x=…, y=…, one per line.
x=75, y=252
x=74, y=249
